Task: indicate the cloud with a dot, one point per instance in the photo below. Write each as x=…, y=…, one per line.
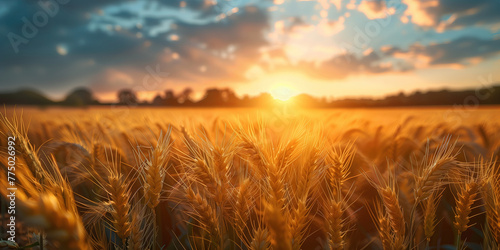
x=375, y=9
x=206, y=51
x=113, y=79
x=152, y=21
x=244, y=29
x=205, y=8
x=225, y=49
x=295, y=23
x=125, y=14
x=452, y=14
x=100, y=44
x=458, y=53
x=337, y=67
x=342, y=66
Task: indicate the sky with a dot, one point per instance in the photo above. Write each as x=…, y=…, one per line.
x=325, y=48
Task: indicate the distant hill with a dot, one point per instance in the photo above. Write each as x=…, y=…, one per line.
x=226, y=98
x=25, y=97
x=485, y=96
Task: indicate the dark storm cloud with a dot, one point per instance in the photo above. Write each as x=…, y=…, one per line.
x=150, y=22
x=37, y=61
x=125, y=14
x=462, y=51
x=225, y=48
x=191, y=4
x=205, y=8
x=211, y=50
x=486, y=15
x=453, y=13
x=244, y=29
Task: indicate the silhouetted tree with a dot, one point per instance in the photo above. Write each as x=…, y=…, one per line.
x=229, y=97
x=169, y=94
x=184, y=98
x=79, y=97
x=127, y=97
x=186, y=94
x=158, y=100
x=212, y=97
x=170, y=98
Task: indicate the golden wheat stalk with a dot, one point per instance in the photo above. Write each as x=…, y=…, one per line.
x=340, y=161
x=204, y=175
x=380, y=218
x=490, y=192
x=119, y=196
x=386, y=187
x=394, y=210
x=52, y=210
x=59, y=225
x=298, y=223
x=430, y=210
x=335, y=224
x=221, y=161
x=16, y=128
x=260, y=240
x=464, y=200
x=155, y=170
x=276, y=187
x=252, y=151
x=205, y=215
x=279, y=230
x=135, y=241
x=241, y=207
x=434, y=169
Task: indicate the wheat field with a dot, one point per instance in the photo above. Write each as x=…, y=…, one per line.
x=104, y=178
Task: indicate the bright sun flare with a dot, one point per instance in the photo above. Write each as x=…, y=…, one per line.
x=282, y=93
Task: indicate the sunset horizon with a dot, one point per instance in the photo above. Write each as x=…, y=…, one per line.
x=331, y=49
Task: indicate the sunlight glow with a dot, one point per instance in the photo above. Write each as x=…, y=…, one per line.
x=282, y=92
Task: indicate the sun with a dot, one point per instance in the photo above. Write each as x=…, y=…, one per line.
x=282, y=93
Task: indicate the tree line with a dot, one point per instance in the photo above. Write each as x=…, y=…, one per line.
x=226, y=97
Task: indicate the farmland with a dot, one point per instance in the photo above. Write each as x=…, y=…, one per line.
x=284, y=178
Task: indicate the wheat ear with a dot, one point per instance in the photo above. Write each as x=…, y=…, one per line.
x=464, y=201
x=207, y=217
x=335, y=224
x=260, y=240
x=155, y=171
x=394, y=210
x=279, y=230
x=242, y=206
x=135, y=240
x=52, y=210
x=298, y=223
x=383, y=225
x=119, y=199
x=430, y=214
x=434, y=170
x=490, y=192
